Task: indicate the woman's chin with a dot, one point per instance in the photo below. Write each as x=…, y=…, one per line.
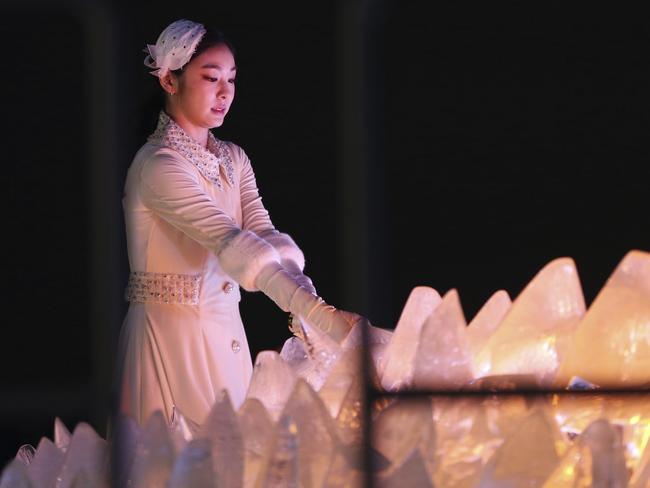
x=216, y=121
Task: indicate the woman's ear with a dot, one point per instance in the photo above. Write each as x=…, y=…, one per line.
x=169, y=83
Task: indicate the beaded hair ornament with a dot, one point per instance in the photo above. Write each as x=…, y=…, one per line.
x=174, y=47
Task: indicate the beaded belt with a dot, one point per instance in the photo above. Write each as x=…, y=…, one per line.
x=148, y=287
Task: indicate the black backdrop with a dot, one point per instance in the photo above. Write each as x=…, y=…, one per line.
x=400, y=144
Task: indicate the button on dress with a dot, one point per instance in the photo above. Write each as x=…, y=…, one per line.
x=182, y=340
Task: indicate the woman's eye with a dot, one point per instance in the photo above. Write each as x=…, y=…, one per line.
x=211, y=79
x=231, y=80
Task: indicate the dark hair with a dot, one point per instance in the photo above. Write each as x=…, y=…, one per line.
x=212, y=37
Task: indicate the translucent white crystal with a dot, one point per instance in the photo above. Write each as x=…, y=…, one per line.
x=257, y=428
x=486, y=321
x=126, y=434
x=87, y=457
x=61, y=434
x=532, y=338
x=193, y=466
x=443, y=359
x=294, y=353
x=280, y=466
x=400, y=352
x=377, y=342
x=607, y=453
x=528, y=455
x=342, y=472
x=412, y=473
x=312, y=358
x=616, y=330
x=641, y=474
x=45, y=466
x=468, y=431
x=344, y=372
x=596, y=459
x=154, y=455
x=350, y=417
x=317, y=437
x=403, y=426
x=25, y=454
x=272, y=382
x=222, y=429
x=14, y=475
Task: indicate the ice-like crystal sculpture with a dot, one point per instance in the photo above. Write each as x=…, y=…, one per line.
x=222, y=429
x=528, y=456
x=154, y=455
x=126, y=434
x=302, y=423
x=193, y=466
x=61, y=435
x=86, y=457
x=272, y=382
x=615, y=330
x=317, y=436
x=412, y=473
x=342, y=376
x=595, y=459
x=402, y=428
x=257, y=428
x=15, y=475
x=486, y=321
x=442, y=360
x=400, y=352
x=47, y=462
x=534, y=334
x=313, y=359
x=280, y=466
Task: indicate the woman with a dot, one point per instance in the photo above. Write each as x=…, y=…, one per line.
x=196, y=231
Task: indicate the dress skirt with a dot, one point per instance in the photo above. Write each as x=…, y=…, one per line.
x=179, y=356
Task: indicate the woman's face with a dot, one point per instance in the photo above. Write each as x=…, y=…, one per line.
x=207, y=88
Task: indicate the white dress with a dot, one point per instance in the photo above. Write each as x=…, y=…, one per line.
x=182, y=340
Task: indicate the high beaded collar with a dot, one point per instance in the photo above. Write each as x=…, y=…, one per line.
x=208, y=161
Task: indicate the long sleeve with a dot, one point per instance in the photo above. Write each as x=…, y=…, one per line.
x=172, y=190
x=256, y=218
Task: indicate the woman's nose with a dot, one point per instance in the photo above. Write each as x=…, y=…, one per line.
x=224, y=90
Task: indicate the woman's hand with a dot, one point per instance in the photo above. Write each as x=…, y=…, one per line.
x=314, y=310
x=284, y=289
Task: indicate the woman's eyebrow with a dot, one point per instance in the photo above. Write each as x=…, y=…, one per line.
x=212, y=65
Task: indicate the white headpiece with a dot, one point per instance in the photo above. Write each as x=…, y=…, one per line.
x=174, y=46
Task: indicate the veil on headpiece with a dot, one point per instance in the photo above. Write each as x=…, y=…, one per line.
x=174, y=47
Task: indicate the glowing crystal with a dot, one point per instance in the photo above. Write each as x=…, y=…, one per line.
x=616, y=330
x=272, y=382
x=442, y=360
x=533, y=336
x=222, y=429
x=401, y=350
x=257, y=428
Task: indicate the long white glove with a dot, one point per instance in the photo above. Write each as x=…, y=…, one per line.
x=292, y=258
x=286, y=292
x=296, y=273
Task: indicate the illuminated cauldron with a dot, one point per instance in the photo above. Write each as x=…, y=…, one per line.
x=535, y=392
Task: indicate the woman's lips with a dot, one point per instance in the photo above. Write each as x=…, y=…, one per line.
x=219, y=111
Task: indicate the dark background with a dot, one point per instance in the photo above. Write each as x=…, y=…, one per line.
x=400, y=144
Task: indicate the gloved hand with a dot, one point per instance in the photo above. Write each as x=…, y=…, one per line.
x=313, y=309
x=276, y=282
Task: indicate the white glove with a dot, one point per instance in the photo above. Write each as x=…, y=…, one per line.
x=296, y=273
x=284, y=290
x=335, y=323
